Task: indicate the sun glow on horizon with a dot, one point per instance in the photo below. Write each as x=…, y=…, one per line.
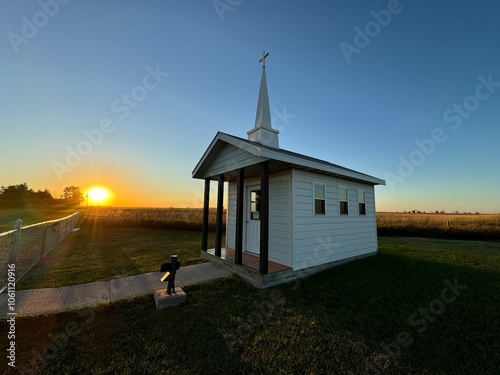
x=97, y=195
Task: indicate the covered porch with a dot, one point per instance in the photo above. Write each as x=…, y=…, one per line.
x=249, y=267
x=256, y=263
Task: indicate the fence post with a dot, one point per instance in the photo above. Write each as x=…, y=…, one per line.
x=14, y=243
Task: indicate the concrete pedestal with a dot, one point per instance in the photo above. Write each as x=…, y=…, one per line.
x=164, y=300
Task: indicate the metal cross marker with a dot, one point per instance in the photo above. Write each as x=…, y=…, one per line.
x=171, y=269
x=263, y=59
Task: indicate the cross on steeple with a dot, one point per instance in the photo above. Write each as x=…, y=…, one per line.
x=263, y=59
x=263, y=131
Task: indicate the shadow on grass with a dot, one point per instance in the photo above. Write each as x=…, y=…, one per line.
x=339, y=321
x=377, y=302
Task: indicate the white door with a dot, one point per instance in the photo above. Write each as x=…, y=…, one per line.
x=253, y=220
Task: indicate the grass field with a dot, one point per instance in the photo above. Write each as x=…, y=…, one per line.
x=421, y=306
x=30, y=216
x=98, y=252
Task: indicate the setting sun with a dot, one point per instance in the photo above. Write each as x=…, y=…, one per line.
x=97, y=195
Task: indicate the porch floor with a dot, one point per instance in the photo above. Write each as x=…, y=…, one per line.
x=249, y=261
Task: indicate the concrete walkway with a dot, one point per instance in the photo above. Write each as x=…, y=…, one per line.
x=52, y=300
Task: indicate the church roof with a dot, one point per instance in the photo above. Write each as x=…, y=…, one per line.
x=280, y=156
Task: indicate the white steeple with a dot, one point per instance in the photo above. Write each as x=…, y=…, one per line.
x=263, y=131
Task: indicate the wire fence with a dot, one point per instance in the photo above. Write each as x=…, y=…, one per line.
x=25, y=246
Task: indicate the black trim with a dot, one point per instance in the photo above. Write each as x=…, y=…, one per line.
x=240, y=191
x=264, y=217
x=220, y=210
x=204, y=227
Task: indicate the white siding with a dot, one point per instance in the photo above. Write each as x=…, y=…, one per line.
x=231, y=158
x=280, y=239
x=320, y=239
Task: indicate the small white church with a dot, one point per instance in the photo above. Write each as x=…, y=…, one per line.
x=288, y=215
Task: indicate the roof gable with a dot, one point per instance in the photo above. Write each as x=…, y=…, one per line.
x=228, y=153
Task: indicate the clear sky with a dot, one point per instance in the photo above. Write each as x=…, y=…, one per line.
x=129, y=94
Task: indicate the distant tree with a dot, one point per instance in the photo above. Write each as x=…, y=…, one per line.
x=40, y=198
x=14, y=195
x=72, y=195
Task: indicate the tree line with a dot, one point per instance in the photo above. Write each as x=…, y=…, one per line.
x=20, y=196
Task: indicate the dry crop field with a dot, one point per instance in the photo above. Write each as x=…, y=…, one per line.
x=167, y=218
x=456, y=226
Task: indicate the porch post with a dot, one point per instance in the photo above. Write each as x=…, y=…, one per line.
x=220, y=210
x=238, y=255
x=204, y=227
x=264, y=217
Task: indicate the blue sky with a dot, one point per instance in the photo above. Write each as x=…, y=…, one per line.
x=361, y=84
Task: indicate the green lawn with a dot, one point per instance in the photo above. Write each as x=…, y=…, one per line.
x=420, y=306
x=97, y=252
